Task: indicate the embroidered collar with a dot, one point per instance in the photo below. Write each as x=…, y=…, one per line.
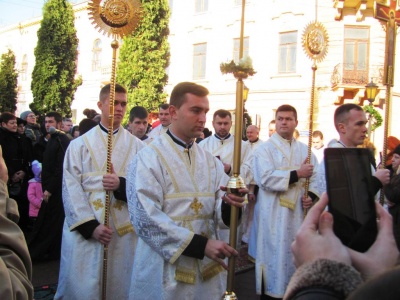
x=222, y=139
x=102, y=127
x=179, y=141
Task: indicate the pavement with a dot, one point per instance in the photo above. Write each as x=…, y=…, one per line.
x=46, y=273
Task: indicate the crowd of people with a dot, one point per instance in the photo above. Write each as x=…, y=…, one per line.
x=169, y=211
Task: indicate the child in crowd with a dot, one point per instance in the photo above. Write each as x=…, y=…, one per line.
x=35, y=192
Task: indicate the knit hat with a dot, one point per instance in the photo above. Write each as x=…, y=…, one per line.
x=25, y=114
x=37, y=170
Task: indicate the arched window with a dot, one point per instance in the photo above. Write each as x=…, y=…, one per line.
x=96, y=60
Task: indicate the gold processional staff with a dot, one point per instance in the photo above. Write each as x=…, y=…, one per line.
x=116, y=18
x=315, y=45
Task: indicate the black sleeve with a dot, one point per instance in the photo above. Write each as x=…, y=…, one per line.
x=376, y=185
x=312, y=196
x=226, y=213
x=293, y=177
x=197, y=247
x=120, y=194
x=86, y=229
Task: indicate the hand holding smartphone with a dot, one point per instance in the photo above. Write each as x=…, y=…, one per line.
x=351, y=202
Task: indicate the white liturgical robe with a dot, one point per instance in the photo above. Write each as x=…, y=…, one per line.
x=278, y=212
x=84, y=200
x=174, y=193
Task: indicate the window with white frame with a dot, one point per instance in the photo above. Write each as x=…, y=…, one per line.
x=287, y=52
x=199, y=60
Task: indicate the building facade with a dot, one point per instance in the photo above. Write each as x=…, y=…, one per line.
x=205, y=33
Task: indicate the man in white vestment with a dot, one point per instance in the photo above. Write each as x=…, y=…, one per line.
x=85, y=183
x=176, y=199
x=221, y=145
x=280, y=171
x=165, y=120
x=350, y=123
x=253, y=140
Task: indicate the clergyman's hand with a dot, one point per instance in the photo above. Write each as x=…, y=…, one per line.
x=218, y=251
x=103, y=234
x=233, y=199
x=306, y=170
x=111, y=181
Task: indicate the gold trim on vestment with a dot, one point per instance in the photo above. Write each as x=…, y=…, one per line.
x=210, y=270
x=187, y=195
x=181, y=248
x=185, y=275
x=192, y=218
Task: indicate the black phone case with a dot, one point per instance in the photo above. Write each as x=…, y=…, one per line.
x=351, y=201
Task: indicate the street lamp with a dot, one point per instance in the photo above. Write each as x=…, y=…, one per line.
x=371, y=91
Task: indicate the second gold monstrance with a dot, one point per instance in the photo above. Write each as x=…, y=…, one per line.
x=315, y=45
x=116, y=18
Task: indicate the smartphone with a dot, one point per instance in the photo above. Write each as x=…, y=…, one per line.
x=351, y=200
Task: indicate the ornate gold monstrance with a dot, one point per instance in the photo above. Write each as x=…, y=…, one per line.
x=116, y=18
x=315, y=45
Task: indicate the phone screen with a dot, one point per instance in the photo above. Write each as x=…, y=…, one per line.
x=351, y=201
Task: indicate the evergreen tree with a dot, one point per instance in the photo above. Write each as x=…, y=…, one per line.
x=8, y=83
x=144, y=56
x=53, y=78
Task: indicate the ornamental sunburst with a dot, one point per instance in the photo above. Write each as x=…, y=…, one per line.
x=115, y=17
x=315, y=41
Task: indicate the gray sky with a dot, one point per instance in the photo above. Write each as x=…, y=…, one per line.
x=14, y=11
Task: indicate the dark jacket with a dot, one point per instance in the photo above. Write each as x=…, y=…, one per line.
x=17, y=152
x=53, y=159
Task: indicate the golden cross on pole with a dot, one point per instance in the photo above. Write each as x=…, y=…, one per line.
x=390, y=14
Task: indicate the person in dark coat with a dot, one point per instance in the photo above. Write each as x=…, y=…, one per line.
x=45, y=243
x=17, y=150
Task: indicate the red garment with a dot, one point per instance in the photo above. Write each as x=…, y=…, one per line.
x=155, y=124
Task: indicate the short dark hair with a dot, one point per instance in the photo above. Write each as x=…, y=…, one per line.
x=318, y=133
x=53, y=114
x=222, y=113
x=272, y=122
x=342, y=113
x=163, y=106
x=286, y=107
x=105, y=91
x=178, y=94
x=6, y=117
x=138, y=112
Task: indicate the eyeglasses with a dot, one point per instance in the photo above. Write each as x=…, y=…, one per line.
x=31, y=116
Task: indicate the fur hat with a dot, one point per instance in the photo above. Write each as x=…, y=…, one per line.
x=25, y=114
x=37, y=170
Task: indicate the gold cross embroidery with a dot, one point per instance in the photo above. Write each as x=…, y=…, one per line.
x=196, y=206
x=118, y=204
x=97, y=204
